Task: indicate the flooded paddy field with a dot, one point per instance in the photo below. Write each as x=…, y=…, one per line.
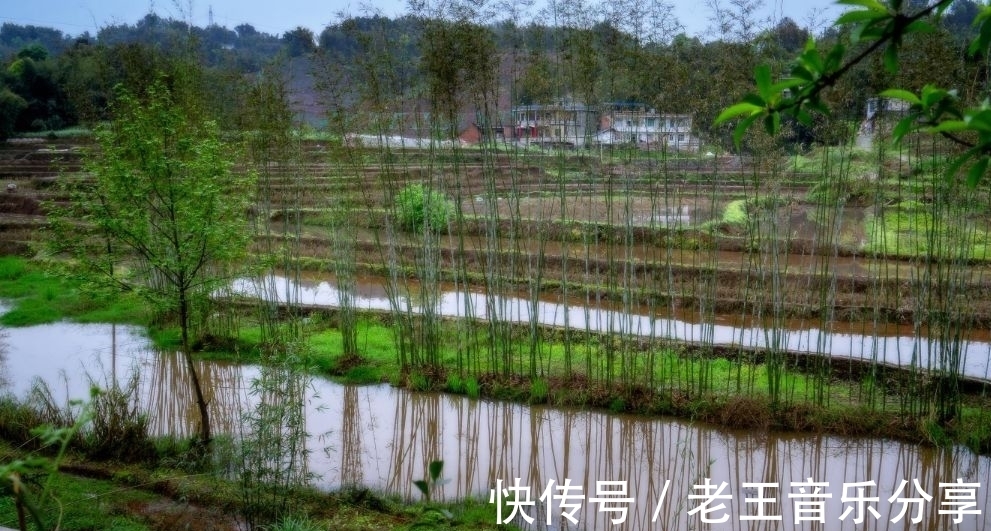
x=383, y=438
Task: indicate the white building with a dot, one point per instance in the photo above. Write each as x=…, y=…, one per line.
x=636, y=124
x=562, y=123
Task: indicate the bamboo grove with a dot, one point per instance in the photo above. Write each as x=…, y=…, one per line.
x=640, y=252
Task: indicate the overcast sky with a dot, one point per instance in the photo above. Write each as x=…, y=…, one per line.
x=74, y=17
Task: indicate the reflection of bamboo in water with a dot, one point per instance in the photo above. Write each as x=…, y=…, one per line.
x=170, y=399
x=416, y=440
x=530, y=449
x=351, y=465
x=400, y=450
x=468, y=416
x=4, y=370
x=504, y=441
x=645, y=473
x=547, y=444
x=500, y=420
x=772, y=471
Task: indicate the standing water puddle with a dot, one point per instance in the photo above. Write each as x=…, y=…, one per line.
x=898, y=346
x=384, y=438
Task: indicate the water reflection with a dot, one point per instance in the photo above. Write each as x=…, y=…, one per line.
x=482, y=442
x=170, y=398
x=904, y=349
x=385, y=438
x=69, y=357
x=4, y=380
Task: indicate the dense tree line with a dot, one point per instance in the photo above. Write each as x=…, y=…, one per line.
x=49, y=80
x=451, y=59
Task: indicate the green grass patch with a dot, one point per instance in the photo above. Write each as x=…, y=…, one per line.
x=376, y=347
x=364, y=374
x=974, y=429
x=41, y=295
x=68, y=132
x=913, y=229
x=115, y=499
x=166, y=338
x=87, y=504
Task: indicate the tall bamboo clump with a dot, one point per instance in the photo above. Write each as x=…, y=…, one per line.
x=273, y=444
x=379, y=68
x=942, y=285
x=344, y=170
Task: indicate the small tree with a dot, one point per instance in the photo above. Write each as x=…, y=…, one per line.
x=166, y=209
x=11, y=106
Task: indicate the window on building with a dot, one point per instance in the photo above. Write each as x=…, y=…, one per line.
x=681, y=137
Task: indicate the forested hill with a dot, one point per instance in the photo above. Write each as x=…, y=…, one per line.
x=49, y=80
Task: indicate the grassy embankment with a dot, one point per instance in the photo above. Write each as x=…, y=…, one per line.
x=162, y=495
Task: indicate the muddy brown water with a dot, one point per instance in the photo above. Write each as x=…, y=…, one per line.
x=384, y=438
x=890, y=344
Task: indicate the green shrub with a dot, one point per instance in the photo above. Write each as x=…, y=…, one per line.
x=832, y=192
x=292, y=523
x=736, y=212
x=419, y=207
x=12, y=267
x=118, y=429
x=538, y=391
x=363, y=375
x=455, y=384
x=472, y=388
x=419, y=382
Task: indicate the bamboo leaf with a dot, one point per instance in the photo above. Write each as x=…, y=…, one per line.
x=755, y=99
x=762, y=75
x=948, y=126
x=435, y=469
x=772, y=123
x=736, y=110
x=941, y=8
x=980, y=121
x=786, y=84
x=891, y=59
x=932, y=95
x=903, y=127
x=742, y=127
x=920, y=26
x=802, y=73
x=835, y=57
x=855, y=17
x=982, y=21
x=900, y=94
x=872, y=5
x=954, y=167
x=977, y=171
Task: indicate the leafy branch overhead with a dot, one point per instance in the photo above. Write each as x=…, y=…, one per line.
x=874, y=26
